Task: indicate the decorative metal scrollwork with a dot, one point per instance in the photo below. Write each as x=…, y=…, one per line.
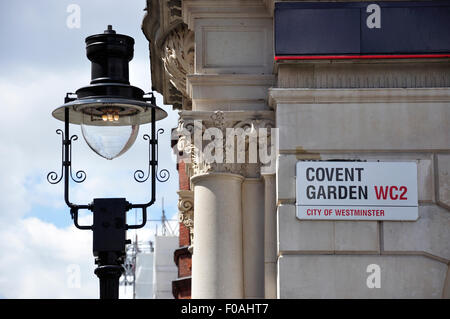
x=66, y=161
x=52, y=177
x=80, y=175
x=139, y=175
x=163, y=175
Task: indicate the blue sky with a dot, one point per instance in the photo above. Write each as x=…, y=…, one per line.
x=41, y=59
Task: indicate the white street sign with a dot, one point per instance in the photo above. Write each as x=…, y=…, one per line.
x=357, y=190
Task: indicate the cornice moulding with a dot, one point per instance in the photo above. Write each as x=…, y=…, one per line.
x=199, y=177
x=231, y=79
x=229, y=115
x=379, y=95
x=195, y=9
x=222, y=80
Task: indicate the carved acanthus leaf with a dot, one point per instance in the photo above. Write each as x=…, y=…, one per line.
x=178, y=56
x=192, y=141
x=186, y=210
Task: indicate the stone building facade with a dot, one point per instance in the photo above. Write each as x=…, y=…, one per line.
x=214, y=62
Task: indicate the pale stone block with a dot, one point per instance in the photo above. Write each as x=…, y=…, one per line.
x=234, y=46
x=425, y=180
x=443, y=175
x=446, y=292
x=253, y=237
x=302, y=235
x=430, y=233
x=409, y=126
x=228, y=92
x=286, y=177
x=357, y=236
x=345, y=276
x=270, y=218
x=270, y=280
x=353, y=119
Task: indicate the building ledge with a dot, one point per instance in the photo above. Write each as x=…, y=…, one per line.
x=182, y=251
x=181, y=288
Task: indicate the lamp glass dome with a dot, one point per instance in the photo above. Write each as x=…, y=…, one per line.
x=109, y=110
x=109, y=125
x=112, y=140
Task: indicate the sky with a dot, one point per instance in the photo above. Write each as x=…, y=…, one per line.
x=42, y=57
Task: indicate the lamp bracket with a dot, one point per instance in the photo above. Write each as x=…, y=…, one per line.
x=163, y=175
x=79, y=176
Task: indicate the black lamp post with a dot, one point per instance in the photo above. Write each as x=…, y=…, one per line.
x=109, y=111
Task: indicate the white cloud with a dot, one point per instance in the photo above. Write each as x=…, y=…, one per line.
x=36, y=255
x=36, y=259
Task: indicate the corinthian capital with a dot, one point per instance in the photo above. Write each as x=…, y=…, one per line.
x=222, y=141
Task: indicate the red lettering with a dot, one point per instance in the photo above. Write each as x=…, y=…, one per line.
x=381, y=193
x=402, y=196
x=390, y=192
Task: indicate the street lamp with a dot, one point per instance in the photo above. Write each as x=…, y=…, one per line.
x=109, y=111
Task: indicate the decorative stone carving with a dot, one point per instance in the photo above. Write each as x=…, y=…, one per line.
x=178, y=56
x=197, y=146
x=186, y=211
x=175, y=8
x=171, y=50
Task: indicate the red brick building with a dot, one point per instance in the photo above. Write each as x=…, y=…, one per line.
x=181, y=288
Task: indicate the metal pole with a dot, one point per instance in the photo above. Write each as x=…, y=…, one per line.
x=109, y=280
x=109, y=242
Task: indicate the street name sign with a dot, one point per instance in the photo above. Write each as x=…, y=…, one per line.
x=356, y=190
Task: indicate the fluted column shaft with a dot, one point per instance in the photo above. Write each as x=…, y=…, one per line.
x=217, y=266
x=253, y=237
x=270, y=236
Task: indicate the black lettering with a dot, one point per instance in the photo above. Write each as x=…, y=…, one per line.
x=342, y=192
x=310, y=192
x=359, y=169
x=330, y=173
x=310, y=179
x=331, y=191
x=321, y=193
x=352, y=192
x=349, y=174
x=339, y=174
x=322, y=172
x=362, y=192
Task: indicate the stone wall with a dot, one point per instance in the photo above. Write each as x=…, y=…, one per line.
x=214, y=60
x=401, y=115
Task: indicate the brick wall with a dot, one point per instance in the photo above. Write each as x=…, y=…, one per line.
x=181, y=288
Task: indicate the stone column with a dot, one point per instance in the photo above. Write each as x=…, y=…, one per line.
x=270, y=236
x=228, y=258
x=217, y=260
x=253, y=237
